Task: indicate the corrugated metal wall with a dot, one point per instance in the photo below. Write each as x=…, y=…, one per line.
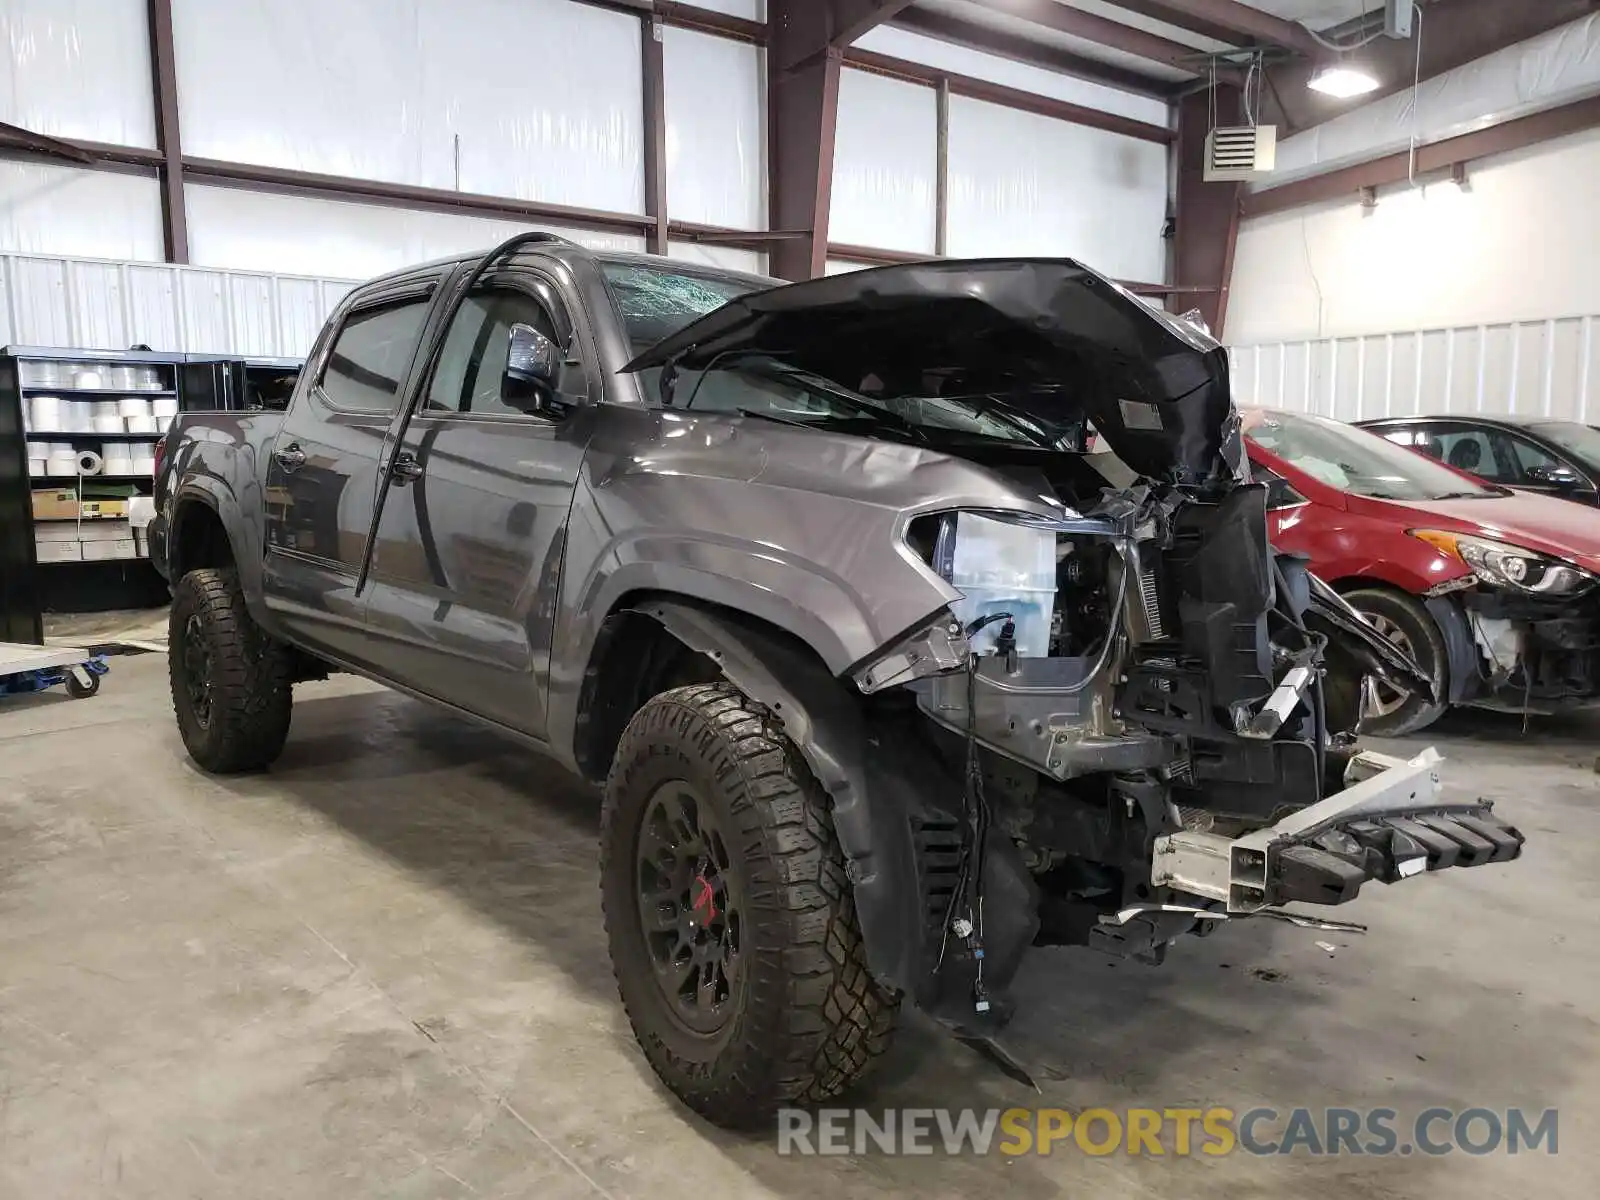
x=101, y=305
x=1544, y=367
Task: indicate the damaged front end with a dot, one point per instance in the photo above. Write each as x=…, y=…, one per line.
x=1139, y=720
x=1177, y=751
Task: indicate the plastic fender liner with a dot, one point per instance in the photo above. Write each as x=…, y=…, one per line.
x=872, y=806
x=1464, y=675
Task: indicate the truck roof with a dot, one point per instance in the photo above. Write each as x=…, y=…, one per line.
x=561, y=248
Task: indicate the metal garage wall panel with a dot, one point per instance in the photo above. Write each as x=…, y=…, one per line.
x=77, y=69
x=886, y=164
x=103, y=305
x=537, y=99
x=716, y=130
x=1549, y=368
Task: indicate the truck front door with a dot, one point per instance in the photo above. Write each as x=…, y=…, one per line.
x=467, y=561
x=322, y=470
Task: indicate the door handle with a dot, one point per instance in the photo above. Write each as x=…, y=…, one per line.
x=405, y=468
x=290, y=457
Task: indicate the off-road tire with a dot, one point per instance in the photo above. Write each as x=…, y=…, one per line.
x=251, y=693
x=1427, y=647
x=808, y=1018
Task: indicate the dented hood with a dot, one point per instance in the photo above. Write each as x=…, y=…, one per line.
x=1050, y=335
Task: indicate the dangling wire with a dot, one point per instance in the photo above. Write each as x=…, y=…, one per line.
x=1416, y=96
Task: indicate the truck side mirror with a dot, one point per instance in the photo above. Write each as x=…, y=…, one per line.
x=533, y=372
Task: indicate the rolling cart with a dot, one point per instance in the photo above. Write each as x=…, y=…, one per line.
x=26, y=669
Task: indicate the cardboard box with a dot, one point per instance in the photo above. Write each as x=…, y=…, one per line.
x=97, y=551
x=55, y=502
x=58, y=551
x=103, y=508
x=89, y=530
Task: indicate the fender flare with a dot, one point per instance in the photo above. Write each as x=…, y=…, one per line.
x=205, y=493
x=873, y=799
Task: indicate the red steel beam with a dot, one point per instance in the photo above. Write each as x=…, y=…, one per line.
x=705, y=20
x=859, y=17
x=1243, y=20
x=1156, y=10
x=1207, y=220
x=1103, y=31
x=405, y=195
x=1024, y=50
x=995, y=93
x=1391, y=169
x=164, y=87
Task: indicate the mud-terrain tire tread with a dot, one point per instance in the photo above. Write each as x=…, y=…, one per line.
x=814, y=1018
x=1427, y=639
x=252, y=694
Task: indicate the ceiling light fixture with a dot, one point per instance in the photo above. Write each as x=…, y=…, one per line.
x=1342, y=82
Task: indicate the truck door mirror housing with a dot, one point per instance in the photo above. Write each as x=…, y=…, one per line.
x=533, y=369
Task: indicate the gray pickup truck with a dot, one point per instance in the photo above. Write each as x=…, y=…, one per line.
x=886, y=680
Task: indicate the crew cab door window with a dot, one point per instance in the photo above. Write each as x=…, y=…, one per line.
x=371, y=356
x=472, y=362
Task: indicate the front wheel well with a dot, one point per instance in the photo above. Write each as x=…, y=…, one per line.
x=636, y=657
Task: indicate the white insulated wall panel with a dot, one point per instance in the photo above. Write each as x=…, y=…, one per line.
x=961, y=60
x=750, y=10
x=1547, y=368
x=1557, y=67
x=885, y=164
x=46, y=209
x=334, y=239
x=1520, y=244
x=1022, y=184
x=728, y=258
x=102, y=305
x=536, y=99
x=716, y=130
x=77, y=69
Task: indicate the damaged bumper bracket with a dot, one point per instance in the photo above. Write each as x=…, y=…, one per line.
x=1388, y=824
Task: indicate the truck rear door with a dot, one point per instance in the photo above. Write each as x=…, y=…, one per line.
x=466, y=565
x=322, y=472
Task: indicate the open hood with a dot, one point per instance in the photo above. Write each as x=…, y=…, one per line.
x=1050, y=336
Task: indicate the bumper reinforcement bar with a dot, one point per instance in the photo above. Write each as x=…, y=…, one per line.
x=1387, y=824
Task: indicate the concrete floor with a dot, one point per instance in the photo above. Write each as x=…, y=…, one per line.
x=379, y=971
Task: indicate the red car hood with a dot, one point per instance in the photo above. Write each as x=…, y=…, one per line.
x=1557, y=527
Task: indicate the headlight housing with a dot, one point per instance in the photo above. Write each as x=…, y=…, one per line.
x=1501, y=565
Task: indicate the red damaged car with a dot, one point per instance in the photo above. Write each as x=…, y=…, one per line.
x=1493, y=591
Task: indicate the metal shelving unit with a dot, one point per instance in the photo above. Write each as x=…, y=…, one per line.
x=59, y=554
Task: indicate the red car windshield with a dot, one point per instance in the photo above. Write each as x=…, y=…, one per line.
x=1353, y=460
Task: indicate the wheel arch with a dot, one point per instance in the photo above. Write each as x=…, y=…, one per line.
x=205, y=531
x=1461, y=658
x=650, y=639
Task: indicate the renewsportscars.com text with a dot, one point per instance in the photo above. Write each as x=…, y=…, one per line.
x=1178, y=1132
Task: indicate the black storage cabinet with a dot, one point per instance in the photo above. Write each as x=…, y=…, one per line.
x=32, y=583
